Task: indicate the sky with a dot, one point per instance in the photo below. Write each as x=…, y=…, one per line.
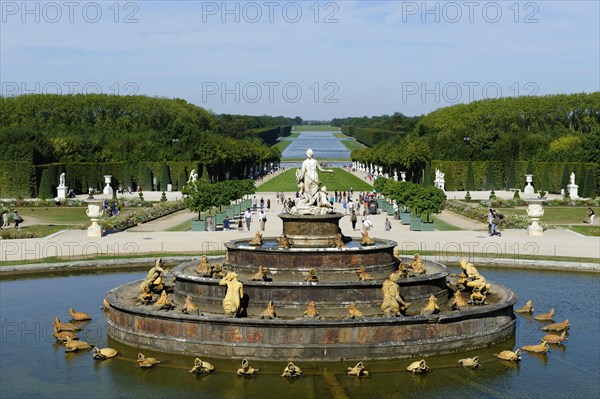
x=317, y=60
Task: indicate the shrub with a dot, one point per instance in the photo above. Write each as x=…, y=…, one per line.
x=516, y=196
x=45, y=186
x=468, y=196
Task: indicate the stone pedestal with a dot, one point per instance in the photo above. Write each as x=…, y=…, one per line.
x=529, y=188
x=573, y=191
x=535, y=211
x=61, y=192
x=94, y=212
x=315, y=231
x=441, y=184
x=107, y=189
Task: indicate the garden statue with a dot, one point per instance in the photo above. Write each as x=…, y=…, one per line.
x=146, y=298
x=417, y=266
x=363, y=275
x=61, y=336
x=269, y=312
x=218, y=271
x=204, y=268
x=393, y=304
x=189, y=307
x=479, y=283
x=284, y=241
x=545, y=316
x=365, y=240
x=234, y=295
x=431, y=307
x=193, y=176
x=311, y=310
x=353, y=312
x=572, y=178
x=73, y=346
x=246, y=369
x=61, y=181
x=457, y=302
x=260, y=275
x=202, y=367
x=308, y=183
x=358, y=370
x=257, y=240
x=154, y=278
x=477, y=297
x=65, y=326
x=312, y=276
x=339, y=241
x=418, y=367
x=147, y=362
x=163, y=302
x=291, y=370
x=469, y=272
x=470, y=362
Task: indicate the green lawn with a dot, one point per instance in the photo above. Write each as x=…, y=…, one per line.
x=353, y=144
x=40, y=230
x=316, y=128
x=340, y=135
x=282, y=144
x=56, y=215
x=593, y=231
x=185, y=226
x=340, y=180
x=441, y=225
x=292, y=135
x=554, y=215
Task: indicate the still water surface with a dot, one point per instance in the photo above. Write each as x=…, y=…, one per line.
x=324, y=144
x=33, y=366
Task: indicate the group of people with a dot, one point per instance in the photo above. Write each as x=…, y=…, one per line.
x=5, y=219
x=256, y=203
x=494, y=220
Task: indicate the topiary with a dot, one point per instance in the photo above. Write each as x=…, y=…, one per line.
x=163, y=197
x=45, y=186
x=493, y=195
x=516, y=196
x=468, y=196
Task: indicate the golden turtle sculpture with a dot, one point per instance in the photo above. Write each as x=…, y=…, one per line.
x=365, y=240
x=79, y=316
x=558, y=326
x=202, y=367
x=61, y=336
x=246, y=369
x=509, y=355
x=291, y=371
x=418, y=367
x=73, y=346
x=358, y=370
x=104, y=353
x=539, y=348
x=64, y=326
x=470, y=362
x=545, y=316
x=147, y=362
x=555, y=339
x=527, y=308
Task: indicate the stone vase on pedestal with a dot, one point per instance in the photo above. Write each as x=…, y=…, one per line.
x=535, y=211
x=529, y=188
x=94, y=212
x=403, y=176
x=107, y=189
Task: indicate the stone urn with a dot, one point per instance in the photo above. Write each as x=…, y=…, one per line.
x=94, y=212
x=403, y=175
x=107, y=189
x=535, y=211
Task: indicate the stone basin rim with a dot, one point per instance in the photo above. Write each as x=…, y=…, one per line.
x=234, y=244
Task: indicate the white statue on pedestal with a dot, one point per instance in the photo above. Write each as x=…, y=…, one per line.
x=395, y=175
x=307, y=177
x=439, y=181
x=572, y=178
x=61, y=181
x=573, y=188
x=193, y=176
x=61, y=190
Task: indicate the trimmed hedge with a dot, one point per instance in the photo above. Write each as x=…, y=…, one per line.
x=371, y=136
x=17, y=179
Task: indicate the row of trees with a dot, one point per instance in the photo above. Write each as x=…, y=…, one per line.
x=202, y=196
x=420, y=200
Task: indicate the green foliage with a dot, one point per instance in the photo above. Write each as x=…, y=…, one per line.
x=371, y=136
x=529, y=168
x=490, y=176
x=468, y=196
x=510, y=175
x=165, y=177
x=182, y=179
x=45, y=186
x=202, y=196
x=429, y=175
x=146, y=180
x=470, y=186
x=17, y=179
x=127, y=181
x=163, y=197
x=428, y=200
x=564, y=181
x=516, y=195
x=545, y=180
x=492, y=195
x=380, y=183
x=590, y=185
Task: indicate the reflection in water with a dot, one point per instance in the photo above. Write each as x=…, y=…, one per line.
x=324, y=144
x=33, y=364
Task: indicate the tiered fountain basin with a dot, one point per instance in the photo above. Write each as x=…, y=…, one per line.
x=294, y=337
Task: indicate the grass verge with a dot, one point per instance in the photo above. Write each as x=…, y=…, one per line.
x=592, y=231
x=340, y=180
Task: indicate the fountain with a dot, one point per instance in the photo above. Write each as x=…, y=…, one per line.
x=358, y=318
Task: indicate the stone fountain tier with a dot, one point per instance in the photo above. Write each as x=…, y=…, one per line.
x=311, y=231
x=378, y=258
x=215, y=335
x=332, y=293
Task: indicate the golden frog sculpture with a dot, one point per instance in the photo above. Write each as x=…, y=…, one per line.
x=353, y=312
x=311, y=310
x=291, y=371
x=189, y=307
x=363, y=275
x=204, y=268
x=269, y=312
x=257, y=240
x=358, y=370
x=365, y=240
x=431, y=307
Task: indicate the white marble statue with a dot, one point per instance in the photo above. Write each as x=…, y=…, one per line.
x=312, y=195
x=61, y=181
x=193, y=176
x=572, y=178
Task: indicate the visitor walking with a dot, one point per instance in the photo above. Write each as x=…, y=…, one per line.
x=591, y=215
x=490, y=218
x=248, y=218
x=388, y=225
x=4, y=221
x=226, y=223
x=366, y=222
x=262, y=216
x=18, y=219
x=254, y=203
x=262, y=204
x=268, y=204
x=353, y=220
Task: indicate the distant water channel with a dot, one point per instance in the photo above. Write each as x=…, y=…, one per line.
x=324, y=144
x=32, y=365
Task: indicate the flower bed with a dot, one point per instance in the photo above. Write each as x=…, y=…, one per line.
x=132, y=218
x=479, y=212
